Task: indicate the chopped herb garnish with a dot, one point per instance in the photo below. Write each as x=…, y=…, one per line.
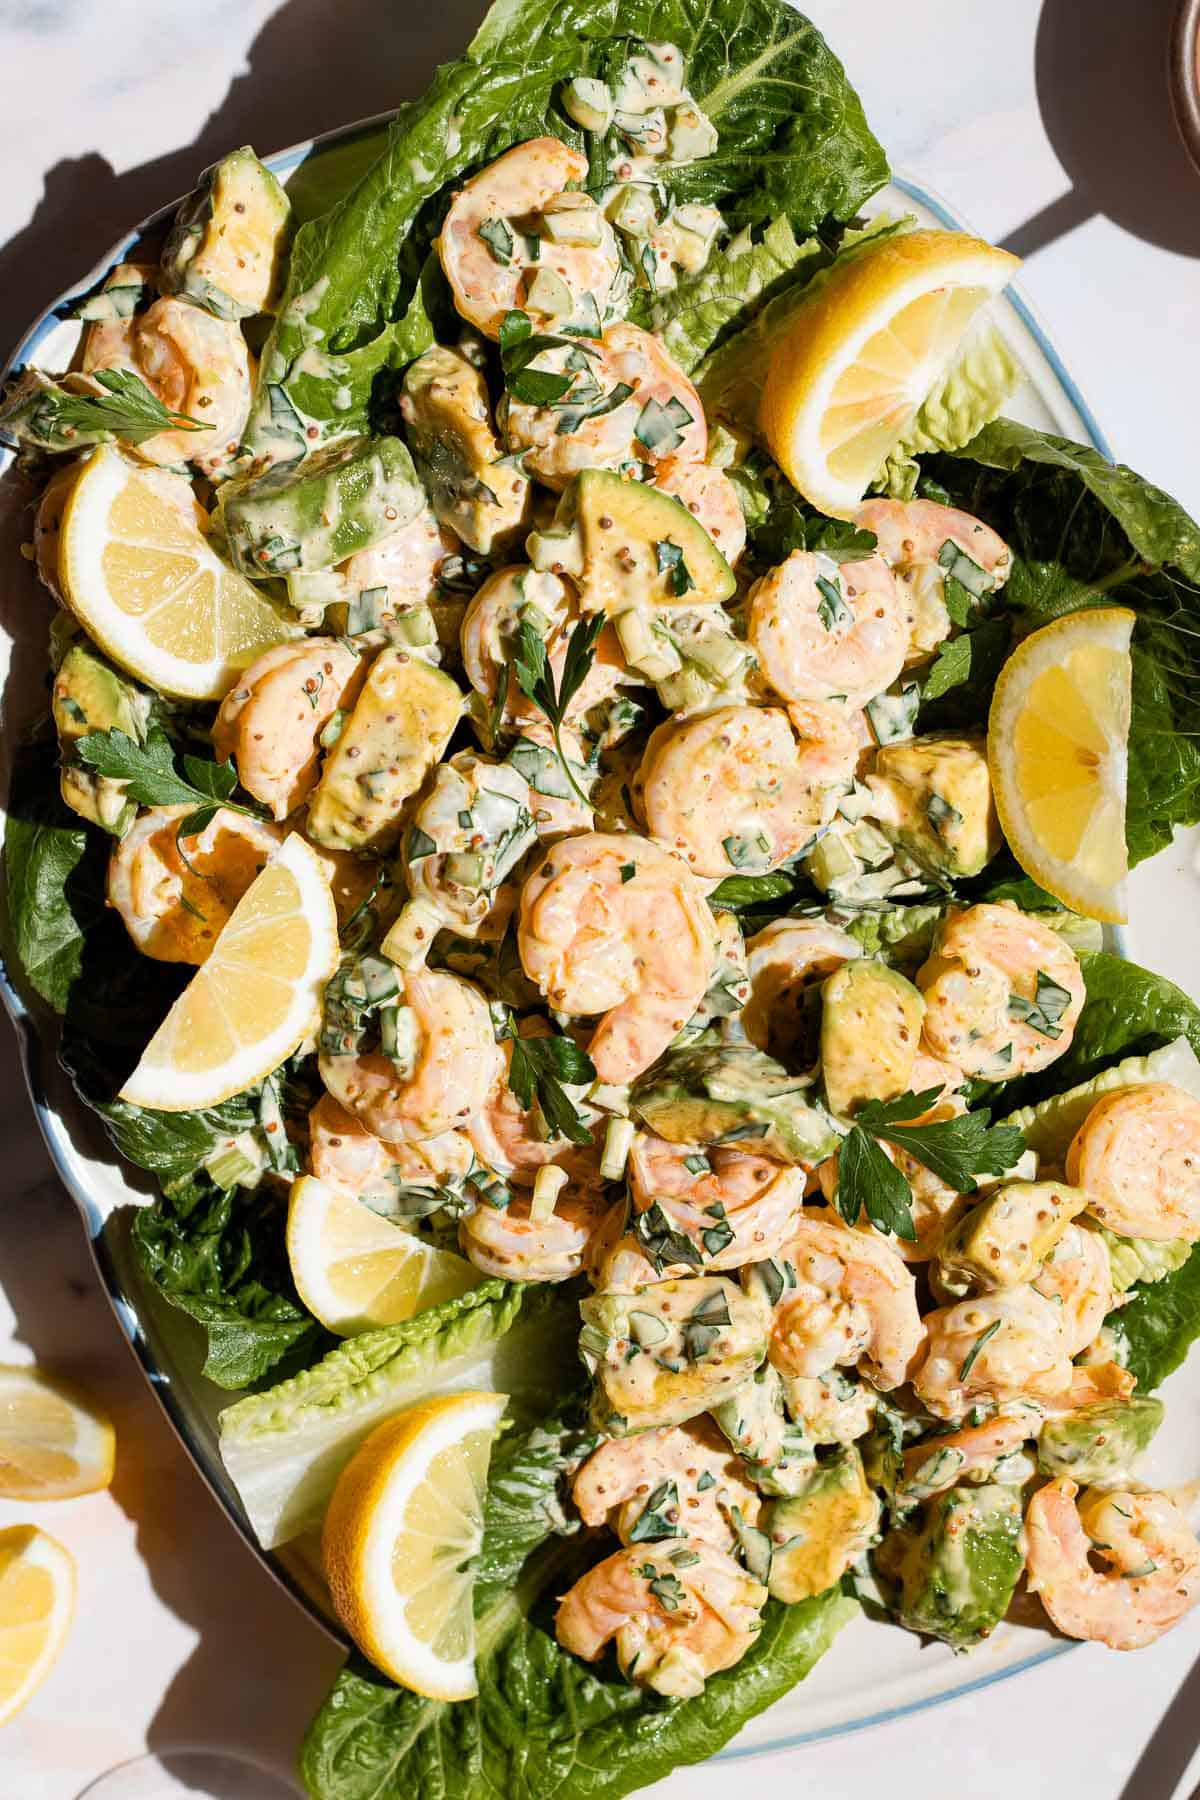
x=1042, y=1014
x=832, y=609
x=963, y=569
x=667, y=1589
x=151, y=778
x=535, y=678
x=51, y=415
x=704, y=1324
x=662, y=1242
x=670, y=559
x=743, y=852
x=538, y=1070
x=706, y=1481
x=652, y=1522
x=968, y=1361
x=659, y=427
x=573, y=415
x=697, y=1164
x=627, y=872
x=419, y=844
x=956, y=1150
x=718, y=1237
x=498, y=238
x=942, y=816
x=519, y=345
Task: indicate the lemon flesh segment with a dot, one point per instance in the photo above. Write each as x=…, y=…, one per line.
x=136, y=568
x=1058, y=742
x=249, y=1007
x=403, y=1529
x=355, y=1270
x=54, y=1442
x=858, y=360
x=37, y=1601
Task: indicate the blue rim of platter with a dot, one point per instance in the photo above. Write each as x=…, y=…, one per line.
x=58, y=1138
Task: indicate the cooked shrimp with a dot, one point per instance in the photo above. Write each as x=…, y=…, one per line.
x=484, y=245
x=173, y=900
x=515, y=1143
x=453, y=1065
x=403, y=565
x=192, y=362
x=490, y=640
x=660, y=416
x=732, y=790
x=637, y=947
x=709, y=496
x=343, y=1152
x=734, y=1207
x=986, y=1452
x=678, y=1611
x=786, y=961
x=833, y=1408
x=471, y=828
x=914, y=536
x=1138, y=1155
x=838, y=1297
x=1152, y=1573
x=995, y=1347
x=685, y=1475
x=447, y=412
x=824, y=630
x=508, y=1242
x=1077, y=1278
x=1092, y=1382
x=272, y=718
x=1002, y=992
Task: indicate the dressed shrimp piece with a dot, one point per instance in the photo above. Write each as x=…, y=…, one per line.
x=1002, y=992
x=678, y=1611
x=837, y=1298
x=484, y=243
x=732, y=790
x=192, y=362
x=402, y=567
x=490, y=640
x=995, y=1347
x=272, y=718
x=986, y=1452
x=1076, y=1277
x=174, y=902
x=785, y=962
x=735, y=1208
x=516, y=1143
x=1138, y=1155
x=469, y=831
x=923, y=543
x=685, y=1474
x=343, y=1152
x=709, y=496
x=448, y=419
x=1152, y=1563
x=1092, y=1382
x=824, y=630
x=661, y=404
x=454, y=1062
x=512, y=1244
x=636, y=947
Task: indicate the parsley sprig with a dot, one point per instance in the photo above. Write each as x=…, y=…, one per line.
x=537, y=1072
x=151, y=777
x=535, y=678
x=54, y=417
x=956, y=1150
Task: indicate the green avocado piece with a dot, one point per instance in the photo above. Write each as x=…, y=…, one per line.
x=936, y=802
x=952, y=1575
x=777, y=1453
x=733, y=1094
x=227, y=248
x=402, y=722
x=1099, y=1442
x=89, y=695
x=870, y=1027
x=1005, y=1237
x=817, y=1534
x=311, y=514
x=630, y=546
x=670, y=1351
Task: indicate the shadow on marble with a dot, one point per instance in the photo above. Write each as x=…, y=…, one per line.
x=1103, y=93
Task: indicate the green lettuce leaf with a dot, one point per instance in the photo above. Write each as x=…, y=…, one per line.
x=220, y=1257
x=1133, y=1261
x=1157, y=1327
x=1050, y=1124
x=1086, y=532
x=968, y=397
x=726, y=294
x=54, y=890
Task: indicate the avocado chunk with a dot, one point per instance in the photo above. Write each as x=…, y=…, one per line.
x=309, y=515
x=1004, y=1239
x=89, y=695
x=820, y=1532
x=670, y=1351
x=1101, y=1442
x=630, y=546
x=934, y=799
x=870, y=1027
x=477, y=492
x=227, y=248
x=951, y=1576
x=402, y=721
x=778, y=1455
x=733, y=1094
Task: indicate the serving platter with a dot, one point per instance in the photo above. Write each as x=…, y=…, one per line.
x=874, y=1673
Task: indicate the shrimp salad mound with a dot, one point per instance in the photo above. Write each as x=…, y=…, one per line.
x=705, y=1068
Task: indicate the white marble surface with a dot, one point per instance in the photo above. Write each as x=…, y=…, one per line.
x=1006, y=110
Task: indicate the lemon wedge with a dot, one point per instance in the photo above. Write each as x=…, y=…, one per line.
x=37, y=1601
x=136, y=569
x=354, y=1270
x=404, y=1523
x=859, y=358
x=256, y=998
x=54, y=1443
x=1058, y=734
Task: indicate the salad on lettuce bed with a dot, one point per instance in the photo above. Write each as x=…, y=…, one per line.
x=723, y=1061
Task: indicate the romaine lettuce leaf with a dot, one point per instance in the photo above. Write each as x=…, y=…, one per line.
x=968, y=397
x=1136, y=1260
x=726, y=294
x=1157, y=1327
x=1049, y=1126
